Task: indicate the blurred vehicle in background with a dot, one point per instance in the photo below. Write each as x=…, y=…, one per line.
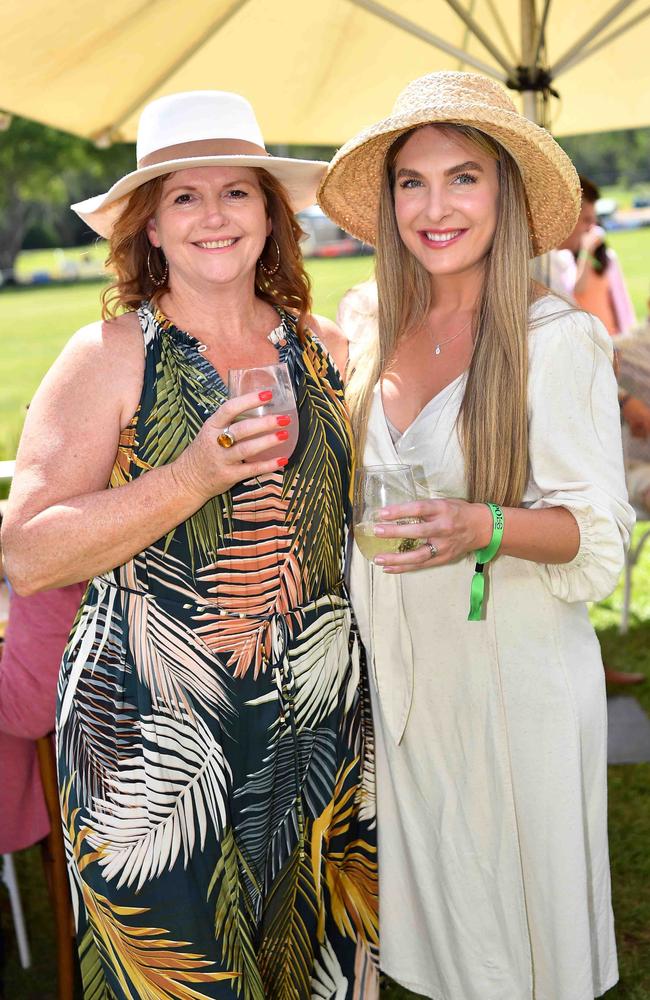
x=325, y=239
x=612, y=218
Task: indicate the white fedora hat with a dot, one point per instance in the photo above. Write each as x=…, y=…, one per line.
x=200, y=128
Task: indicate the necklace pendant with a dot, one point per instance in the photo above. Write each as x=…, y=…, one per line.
x=437, y=350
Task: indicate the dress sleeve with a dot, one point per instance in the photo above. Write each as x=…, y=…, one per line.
x=576, y=456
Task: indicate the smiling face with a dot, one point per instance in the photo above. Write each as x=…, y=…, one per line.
x=446, y=194
x=211, y=224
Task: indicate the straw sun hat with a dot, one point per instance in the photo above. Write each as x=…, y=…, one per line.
x=200, y=128
x=349, y=193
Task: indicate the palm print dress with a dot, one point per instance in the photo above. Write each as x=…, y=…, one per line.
x=215, y=750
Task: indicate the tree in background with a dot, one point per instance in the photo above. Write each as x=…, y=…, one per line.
x=621, y=157
x=41, y=171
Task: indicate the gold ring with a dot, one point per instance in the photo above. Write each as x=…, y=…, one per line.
x=226, y=439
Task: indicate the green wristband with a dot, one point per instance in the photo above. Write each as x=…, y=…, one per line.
x=483, y=556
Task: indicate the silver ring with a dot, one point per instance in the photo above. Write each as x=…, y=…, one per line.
x=432, y=549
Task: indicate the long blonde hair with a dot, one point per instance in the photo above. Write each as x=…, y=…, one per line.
x=493, y=415
x=131, y=254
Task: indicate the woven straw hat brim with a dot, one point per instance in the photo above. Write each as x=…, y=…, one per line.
x=349, y=192
x=300, y=178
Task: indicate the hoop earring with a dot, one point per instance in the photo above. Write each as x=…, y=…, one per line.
x=270, y=271
x=158, y=282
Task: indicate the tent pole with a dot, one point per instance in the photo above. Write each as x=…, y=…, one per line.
x=589, y=35
x=502, y=30
x=540, y=266
x=591, y=49
x=540, y=35
x=466, y=37
x=426, y=36
x=478, y=32
x=528, y=26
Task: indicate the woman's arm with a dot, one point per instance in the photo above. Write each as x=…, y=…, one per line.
x=456, y=527
x=575, y=521
x=588, y=244
x=62, y=524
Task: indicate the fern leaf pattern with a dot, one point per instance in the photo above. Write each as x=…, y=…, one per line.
x=216, y=757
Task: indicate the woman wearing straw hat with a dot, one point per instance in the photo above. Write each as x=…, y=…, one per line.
x=491, y=732
x=213, y=731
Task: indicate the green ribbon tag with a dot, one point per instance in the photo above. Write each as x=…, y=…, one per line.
x=476, y=595
x=483, y=556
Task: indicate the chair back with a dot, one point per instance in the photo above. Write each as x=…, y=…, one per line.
x=56, y=871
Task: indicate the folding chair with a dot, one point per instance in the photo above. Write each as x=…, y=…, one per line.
x=631, y=559
x=8, y=876
x=56, y=871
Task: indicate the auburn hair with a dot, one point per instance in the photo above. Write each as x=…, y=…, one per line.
x=132, y=257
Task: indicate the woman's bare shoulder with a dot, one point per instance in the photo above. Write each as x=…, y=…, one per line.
x=101, y=364
x=121, y=335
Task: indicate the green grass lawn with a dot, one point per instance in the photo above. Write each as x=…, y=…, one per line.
x=633, y=249
x=38, y=321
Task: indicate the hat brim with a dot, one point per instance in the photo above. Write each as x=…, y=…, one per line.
x=349, y=193
x=300, y=178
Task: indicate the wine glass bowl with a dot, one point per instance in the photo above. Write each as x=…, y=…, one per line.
x=375, y=487
x=275, y=377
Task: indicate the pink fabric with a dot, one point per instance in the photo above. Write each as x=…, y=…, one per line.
x=619, y=294
x=34, y=642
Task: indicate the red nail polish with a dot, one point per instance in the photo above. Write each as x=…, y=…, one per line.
x=284, y=420
x=265, y=395
x=282, y=435
x=282, y=462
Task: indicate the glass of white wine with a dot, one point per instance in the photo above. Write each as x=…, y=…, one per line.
x=276, y=378
x=375, y=487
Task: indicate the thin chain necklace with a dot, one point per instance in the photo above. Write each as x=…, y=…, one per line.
x=443, y=343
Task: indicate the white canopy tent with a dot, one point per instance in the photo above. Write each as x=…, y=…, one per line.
x=318, y=70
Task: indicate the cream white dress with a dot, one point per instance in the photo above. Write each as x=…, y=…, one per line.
x=491, y=736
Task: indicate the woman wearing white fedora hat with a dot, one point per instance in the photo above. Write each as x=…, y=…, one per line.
x=490, y=726
x=214, y=740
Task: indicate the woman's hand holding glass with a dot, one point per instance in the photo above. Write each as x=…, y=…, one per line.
x=206, y=468
x=450, y=527
x=375, y=487
x=276, y=380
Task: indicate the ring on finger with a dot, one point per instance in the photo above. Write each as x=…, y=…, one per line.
x=432, y=549
x=226, y=439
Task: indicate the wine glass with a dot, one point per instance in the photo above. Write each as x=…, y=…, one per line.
x=276, y=378
x=375, y=487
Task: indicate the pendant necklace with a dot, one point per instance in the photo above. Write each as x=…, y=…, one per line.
x=443, y=343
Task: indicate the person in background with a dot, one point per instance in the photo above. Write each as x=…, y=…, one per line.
x=586, y=271
x=36, y=634
x=633, y=356
x=357, y=310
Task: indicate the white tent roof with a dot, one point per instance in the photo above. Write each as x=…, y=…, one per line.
x=315, y=70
